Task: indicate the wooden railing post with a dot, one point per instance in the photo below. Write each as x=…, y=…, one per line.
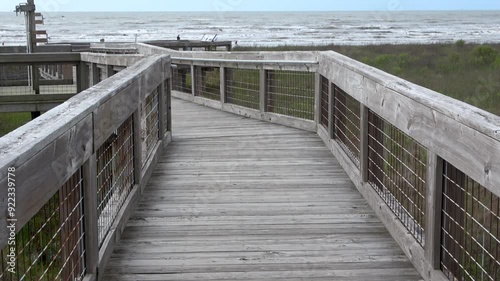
x=90, y=215
x=193, y=80
x=364, y=149
x=168, y=97
x=223, y=85
x=317, y=97
x=109, y=71
x=434, y=197
x=162, y=109
x=94, y=73
x=263, y=90
x=82, y=77
x=331, y=119
x=137, y=146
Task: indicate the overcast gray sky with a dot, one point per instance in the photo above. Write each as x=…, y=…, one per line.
x=253, y=5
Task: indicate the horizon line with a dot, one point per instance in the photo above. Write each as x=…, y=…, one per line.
x=261, y=11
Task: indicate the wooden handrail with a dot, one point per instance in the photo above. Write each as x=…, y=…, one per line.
x=40, y=58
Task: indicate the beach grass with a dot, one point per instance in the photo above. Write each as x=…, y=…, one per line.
x=467, y=72
x=11, y=121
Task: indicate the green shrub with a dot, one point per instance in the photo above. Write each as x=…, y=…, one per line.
x=453, y=62
x=404, y=60
x=12, y=121
x=382, y=60
x=484, y=54
x=460, y=43
x=496, y=64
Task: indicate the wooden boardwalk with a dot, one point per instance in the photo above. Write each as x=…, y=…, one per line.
x=240, y=199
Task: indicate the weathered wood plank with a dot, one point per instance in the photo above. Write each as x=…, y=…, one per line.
x=242, y=195
x=310, y=56
x=40, y=58
x=111, y=114
x=110, y=59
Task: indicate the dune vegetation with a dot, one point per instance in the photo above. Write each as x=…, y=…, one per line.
x=467, y=72
x=11, y=121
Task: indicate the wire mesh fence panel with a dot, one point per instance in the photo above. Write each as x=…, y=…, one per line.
x=208, y=82
x=325, y=102
x=150, y=118
x=181, y=78
x=291, y=93
x=397, y=169
x=15, y=79
x=470, y=231
x=243, y=87
x=347, y=119
x=51, y=245
x=38, y=79
x=58, y=79
x=115, y=175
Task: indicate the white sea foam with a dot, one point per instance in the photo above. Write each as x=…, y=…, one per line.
x=266, y=29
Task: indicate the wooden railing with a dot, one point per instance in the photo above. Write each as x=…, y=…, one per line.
x=72, y=176
x=37, y=82
x=427, y=164
x=59, y=76
x=282, y=92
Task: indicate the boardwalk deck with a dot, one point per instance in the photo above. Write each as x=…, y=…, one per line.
x=240, y=199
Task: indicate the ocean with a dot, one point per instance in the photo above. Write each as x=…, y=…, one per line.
x=264, y=29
